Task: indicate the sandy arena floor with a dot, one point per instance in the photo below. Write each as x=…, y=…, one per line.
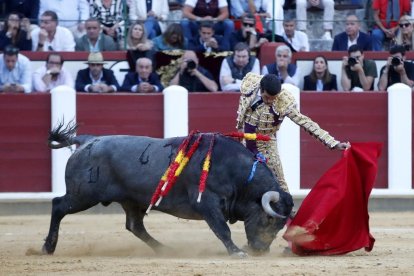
x=100, y=245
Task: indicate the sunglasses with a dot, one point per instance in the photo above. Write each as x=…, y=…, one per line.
x=248, y=24
x=405, y=25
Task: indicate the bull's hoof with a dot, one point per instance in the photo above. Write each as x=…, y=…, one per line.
x=240, y=255
x=255, y=252
x=47, y=251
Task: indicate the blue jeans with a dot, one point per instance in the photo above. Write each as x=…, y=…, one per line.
x=152, y=28
x=378, y=37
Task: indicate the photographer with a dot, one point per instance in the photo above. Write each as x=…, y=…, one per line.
x=358, y=74
x=45, y=78
x=192, y=76
x=397, y=70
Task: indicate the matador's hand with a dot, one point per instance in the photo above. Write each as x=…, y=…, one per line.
x=343, y=146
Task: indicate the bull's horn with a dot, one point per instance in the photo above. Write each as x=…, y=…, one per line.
x=268, y=197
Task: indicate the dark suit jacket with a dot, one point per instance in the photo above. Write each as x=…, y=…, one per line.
x=195, y=45
x=132, y=79
x=106, y=43
x=311, y=85
x=341, y=42
x=83, y=79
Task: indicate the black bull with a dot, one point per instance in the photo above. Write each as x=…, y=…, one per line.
x=127, y=169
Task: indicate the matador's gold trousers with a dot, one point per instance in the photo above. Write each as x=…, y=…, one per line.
x=270, y=151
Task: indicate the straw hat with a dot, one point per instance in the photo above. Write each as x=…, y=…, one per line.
x=95, y=58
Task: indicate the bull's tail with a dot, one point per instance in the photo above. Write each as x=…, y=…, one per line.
x=61, y=136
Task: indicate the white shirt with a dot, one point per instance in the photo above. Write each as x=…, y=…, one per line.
x=64, y=78
x=62, y=41
x=69, y=12
x=299, y=41
x=225, y=71
x=352, y=42
x=192, y=3
x=21, y=73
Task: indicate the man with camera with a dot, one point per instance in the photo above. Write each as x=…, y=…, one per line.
x=192, y=76
x=358, y=74
x=397, y=70
x=45, y=78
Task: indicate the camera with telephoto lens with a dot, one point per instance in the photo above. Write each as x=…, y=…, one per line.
x=352, y=61
x=191, y=64
x=395, y=61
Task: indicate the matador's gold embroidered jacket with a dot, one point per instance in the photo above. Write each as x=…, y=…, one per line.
x=267, y=119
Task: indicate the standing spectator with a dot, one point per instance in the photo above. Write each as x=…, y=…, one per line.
x=247, y=34
x=352, y=36
x=299, y=40
x=405, y=35
x=235, y=67
x=262, y=8
x=94, y=40
x=172, y=39
x=47, y=77
x=27, y=8
x=71, y=13
x=143, y=80
x=328, y=15
x=109, y=13
x=282, y=67
x=15, y=72
x=192, y=76
x=195, y=11
x=397, y=69
x=12, y=34
x=358, y=74
x=96, y=78
x=153, y=13
x=50, y=36
x=386, y=16
x=320, y=79
x=206, y=41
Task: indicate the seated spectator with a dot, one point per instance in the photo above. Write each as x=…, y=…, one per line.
x=352, y=36
x=386, y=20
x=248, y=34
x=405, y=35
x=192, y=76
x=206, y=41
x=320, y=79
x=195, y=11
x=172, y=39
x=15, y=71
x=358, y=74
x=261, y=8
x=96, y=78
x=328, y=15
x=138, y=45
x=110, y=14
x=299, y=40
x=397, y=69
x=153, y=13
x=94, y=40
x=71, y=13
x=13, y=34
x=282, y=67
x=45, y=78
x=235, y=67
x=50, y=36
x=143, y=80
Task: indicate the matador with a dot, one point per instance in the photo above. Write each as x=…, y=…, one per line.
x=262, y=107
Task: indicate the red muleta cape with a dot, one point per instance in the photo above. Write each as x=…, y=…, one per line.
x=333, y=219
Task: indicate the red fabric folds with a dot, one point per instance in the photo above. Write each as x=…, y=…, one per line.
x=333, y=218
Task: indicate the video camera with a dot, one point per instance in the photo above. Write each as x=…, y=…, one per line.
x=395, y=61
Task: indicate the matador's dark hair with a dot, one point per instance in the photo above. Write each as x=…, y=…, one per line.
x=271, y=84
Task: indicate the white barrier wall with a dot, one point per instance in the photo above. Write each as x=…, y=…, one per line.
x=175, y=111
x=399, y=139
